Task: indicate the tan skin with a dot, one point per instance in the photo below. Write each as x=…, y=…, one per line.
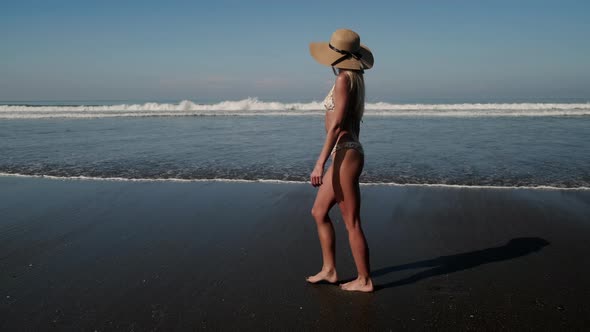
x=340, y=185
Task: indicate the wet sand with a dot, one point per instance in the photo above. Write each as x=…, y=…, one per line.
x=106, y=255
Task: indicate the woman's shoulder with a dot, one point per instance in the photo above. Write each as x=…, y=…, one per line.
x=342, y=82
x=342, y=78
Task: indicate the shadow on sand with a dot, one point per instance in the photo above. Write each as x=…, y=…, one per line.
x=449, y=264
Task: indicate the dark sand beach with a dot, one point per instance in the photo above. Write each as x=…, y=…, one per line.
x=140, y=256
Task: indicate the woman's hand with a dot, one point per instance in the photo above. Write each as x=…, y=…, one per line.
x=316, y=176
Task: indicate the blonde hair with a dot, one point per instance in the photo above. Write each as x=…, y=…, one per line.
x=357, y=90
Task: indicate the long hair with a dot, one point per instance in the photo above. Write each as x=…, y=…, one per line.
x=357, y=91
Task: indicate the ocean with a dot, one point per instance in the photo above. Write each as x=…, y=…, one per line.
x=476, y=144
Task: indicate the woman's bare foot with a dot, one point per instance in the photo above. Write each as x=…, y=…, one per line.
x=328, y=275
x=359, y=285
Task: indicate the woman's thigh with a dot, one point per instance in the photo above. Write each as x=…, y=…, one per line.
x=325, y=199
x=348, y=166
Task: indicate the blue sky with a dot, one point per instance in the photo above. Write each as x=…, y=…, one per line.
x=229, y=50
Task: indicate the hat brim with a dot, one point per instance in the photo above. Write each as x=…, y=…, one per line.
x=323, y=54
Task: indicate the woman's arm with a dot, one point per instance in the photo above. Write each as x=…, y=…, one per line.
x=333, y=126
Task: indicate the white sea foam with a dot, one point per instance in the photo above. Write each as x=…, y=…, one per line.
x=253, y=106
x=442, y=185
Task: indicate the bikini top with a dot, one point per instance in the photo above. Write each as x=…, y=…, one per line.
x=329, y=100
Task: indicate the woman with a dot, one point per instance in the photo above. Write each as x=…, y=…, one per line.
x=340, y=184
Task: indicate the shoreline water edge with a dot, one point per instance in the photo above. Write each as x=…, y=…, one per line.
x=217, y=180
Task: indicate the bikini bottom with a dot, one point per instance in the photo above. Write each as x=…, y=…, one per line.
x=348, y=145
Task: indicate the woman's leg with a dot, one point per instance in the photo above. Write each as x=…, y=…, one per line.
x=347, y=169
x=323, y=203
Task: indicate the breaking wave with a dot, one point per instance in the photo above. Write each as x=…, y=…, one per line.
x=253, y=106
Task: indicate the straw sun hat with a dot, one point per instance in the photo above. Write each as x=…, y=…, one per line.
x=343, y=51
